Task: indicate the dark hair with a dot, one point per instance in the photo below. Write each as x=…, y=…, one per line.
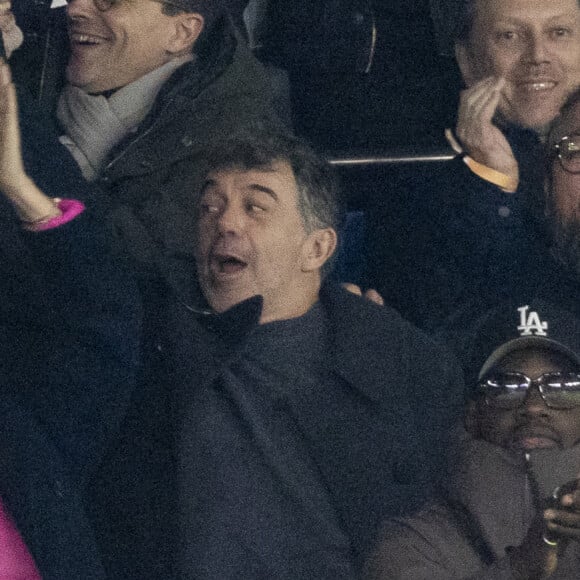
x=318, y=190
x=211, y=10
x=453, y=21
x=318, y=187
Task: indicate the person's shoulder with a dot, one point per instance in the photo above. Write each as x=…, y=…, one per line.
x=381, y=325
x=429, y=543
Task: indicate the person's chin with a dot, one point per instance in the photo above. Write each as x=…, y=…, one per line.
x=223, y=298
x=532, y=113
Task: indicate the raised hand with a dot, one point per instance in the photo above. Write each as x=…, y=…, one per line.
x=31, y=204
x=11, y=33
x=481, y=139
x=11, y=166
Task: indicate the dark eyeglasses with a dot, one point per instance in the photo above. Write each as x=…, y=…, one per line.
x=508, y=390
x=104, y=5
x=567, y=151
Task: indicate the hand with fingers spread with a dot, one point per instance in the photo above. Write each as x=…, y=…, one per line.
x=481, y=139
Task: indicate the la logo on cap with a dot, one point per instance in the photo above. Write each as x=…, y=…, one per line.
x=530, y=323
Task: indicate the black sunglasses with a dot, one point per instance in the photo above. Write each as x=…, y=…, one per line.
x=508, y=390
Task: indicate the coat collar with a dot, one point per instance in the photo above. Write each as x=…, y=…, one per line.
x=364, y=338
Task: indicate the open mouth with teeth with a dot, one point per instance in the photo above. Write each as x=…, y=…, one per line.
x=537, y=87
x=85, y=39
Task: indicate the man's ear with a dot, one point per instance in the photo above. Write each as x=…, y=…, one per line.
x=465, y=63
x=188, y=27
x=318, y=248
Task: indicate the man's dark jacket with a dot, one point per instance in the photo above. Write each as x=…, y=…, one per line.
x=254, y=504
x=441, y=237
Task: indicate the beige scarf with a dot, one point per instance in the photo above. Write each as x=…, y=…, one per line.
x=94, y=124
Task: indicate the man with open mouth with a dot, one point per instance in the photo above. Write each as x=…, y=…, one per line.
x=304, y=413
x=511, y=507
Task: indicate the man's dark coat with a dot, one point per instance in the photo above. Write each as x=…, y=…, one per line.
x=294, y=484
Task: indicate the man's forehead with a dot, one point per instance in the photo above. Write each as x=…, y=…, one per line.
x=277, y=176
x=524, y=10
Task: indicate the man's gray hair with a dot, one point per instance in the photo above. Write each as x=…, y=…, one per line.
x=318, y=190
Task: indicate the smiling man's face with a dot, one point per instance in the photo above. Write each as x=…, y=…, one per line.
x=251, y=240
x=532, y=425
x=112, y=48
x=535, y=46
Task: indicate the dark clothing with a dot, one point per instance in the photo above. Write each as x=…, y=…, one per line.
x=548, y=282
x=291, y=481
x=487, y=505
x=443, y=237
x=68, y=369
x=149, y=181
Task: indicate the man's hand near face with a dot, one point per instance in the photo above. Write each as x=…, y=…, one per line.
x=481, y=139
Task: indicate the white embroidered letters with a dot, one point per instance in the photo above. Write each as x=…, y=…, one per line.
x=530, y=323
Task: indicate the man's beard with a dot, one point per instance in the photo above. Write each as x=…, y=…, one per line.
x=566, y=243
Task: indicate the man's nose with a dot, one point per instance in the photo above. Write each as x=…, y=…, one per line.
x=533, y=403
x=537, y=49
x=79, y=7
x=231, y=220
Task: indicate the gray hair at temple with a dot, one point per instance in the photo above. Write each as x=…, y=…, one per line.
x=316, y=180
x=211, y=10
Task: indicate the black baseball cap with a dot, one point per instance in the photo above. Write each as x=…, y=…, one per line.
x=516, y=326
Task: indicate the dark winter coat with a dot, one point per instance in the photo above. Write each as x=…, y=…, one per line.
x=374, y=437
x=440, y=237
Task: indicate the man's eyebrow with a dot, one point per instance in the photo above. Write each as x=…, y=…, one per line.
x=264, y=189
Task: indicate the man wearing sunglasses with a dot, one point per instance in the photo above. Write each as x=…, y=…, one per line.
x=510, y=510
